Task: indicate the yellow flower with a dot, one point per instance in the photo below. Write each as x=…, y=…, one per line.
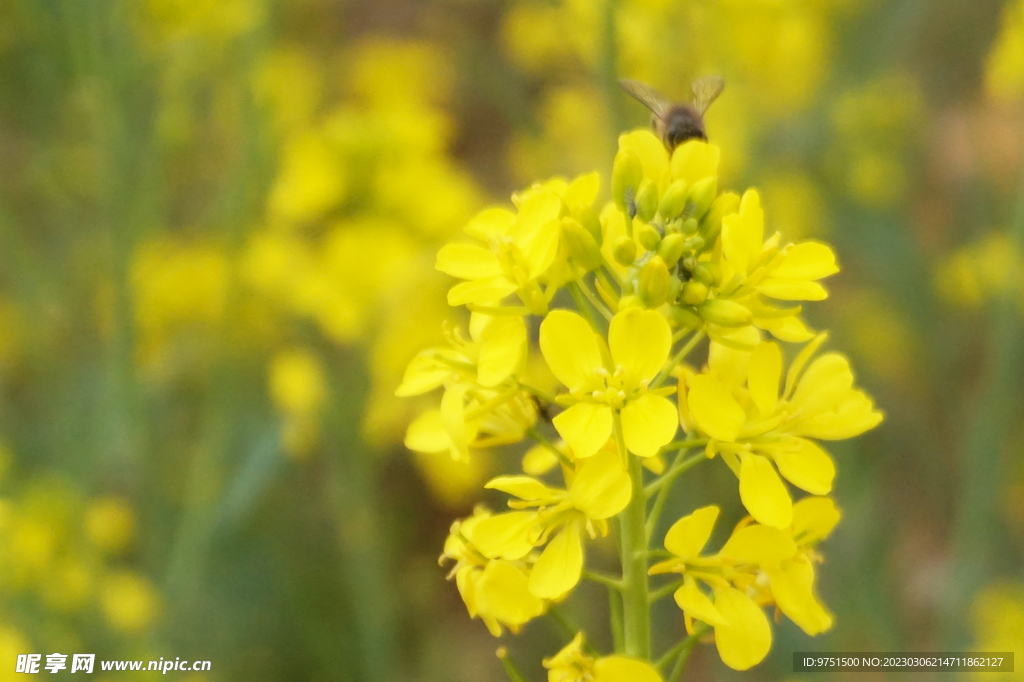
x=742, y=634
x=602, y=384
x=599, y=489
x=787, y=558
x=571, y=664
x=753, y=269
x=479, y=398
x=1004, y=67
x=738, y=406
x=493, y=589
x=518, y=248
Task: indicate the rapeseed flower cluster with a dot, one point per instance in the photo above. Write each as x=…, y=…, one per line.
x=68, y=559
x=614, y=300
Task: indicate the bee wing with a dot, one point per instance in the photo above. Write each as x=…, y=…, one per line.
x=705, y=91
x=648, y=96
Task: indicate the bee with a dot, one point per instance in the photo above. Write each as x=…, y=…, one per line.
x=676, y=123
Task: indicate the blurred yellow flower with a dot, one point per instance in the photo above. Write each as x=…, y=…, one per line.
x=1004, y=68
x=109, y=523
x=130, y=603
x=997, y=615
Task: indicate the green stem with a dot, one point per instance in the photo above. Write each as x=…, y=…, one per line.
x=595, y=301
x=581, y=303
x=615, y=614
x=677, y=468
x=685, y=649
x=543, y=440
x=637, y=624
x=570, y=628
x=602, y=579
x=663, y=486
x=679, y=357
x=664, y=591
x=510, y=668
x=543, y=395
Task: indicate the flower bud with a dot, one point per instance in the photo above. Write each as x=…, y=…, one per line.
x=627, y=173
x=647, y=200
x=685, y=318
x=702, y=273
x=694, y=243
x=630, y=301
x=673, y=201
x=590, y=220
x=724, y=205
x=702, y=194
x=654, y=282
x=671, y=249
x=694, y=293
x=582, y=247
x=648, y=236
x=722, y=311
x=624, y=250
x=690, y=226
x=675, y=285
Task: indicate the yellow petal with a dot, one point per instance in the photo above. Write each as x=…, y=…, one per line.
x=807, y=260
x=423, y=374
x=639, y=341
x=825, y=383
x=490, y=222
x=763, y=376
x=763, y=492
x=728, y=363
x=805, y=465
x=502, y=345
x=813, y=519
x=502, y=592
x=713, y=408
x=761, y=546
x=696, y=604
x=467, y=261
x=453, y=417
x=582, y=191
x=585, y=427
x=652, y=153
x=539, y=460
x=481, y=291
x=624, y=669
x=427, y=433
x=796, y=367
x=560, y=564
x=523, y=487
x=788, y=289
x=536, y=230
x=505, y=536
x=695, y=160
x=746, y=639
x=601, y=488
x=743, y=233
x=792, y=585
x=648, y=423
x=854, y=415
x=687, y=536
x=790, y=328
x=570, y=349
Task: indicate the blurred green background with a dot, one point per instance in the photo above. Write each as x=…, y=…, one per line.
x=218, y=220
